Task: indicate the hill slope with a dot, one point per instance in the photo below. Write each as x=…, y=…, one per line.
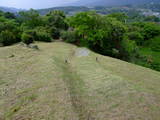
x=36, y=85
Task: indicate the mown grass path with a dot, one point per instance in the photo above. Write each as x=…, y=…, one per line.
x=40, y=85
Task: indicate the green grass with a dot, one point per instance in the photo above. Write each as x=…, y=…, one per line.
x=147, y=51
x=153, y=55
x=39, y=85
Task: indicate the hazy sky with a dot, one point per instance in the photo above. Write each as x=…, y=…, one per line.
x=34, y=3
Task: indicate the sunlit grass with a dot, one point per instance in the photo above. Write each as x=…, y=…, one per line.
x=41, y=85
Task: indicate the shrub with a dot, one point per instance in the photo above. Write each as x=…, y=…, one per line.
x=9, y=32
x=55, y=33
x=37, y=34
x=43, y=36
x=9, y=15
x=136, y=36
x=69, y=36
x=27, y=38
x=30, y=35
x=129, y=50
x=7, y=38
x=149, y=30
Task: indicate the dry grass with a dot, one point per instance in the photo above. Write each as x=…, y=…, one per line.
x=39, y=85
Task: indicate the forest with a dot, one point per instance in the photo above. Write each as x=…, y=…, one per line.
x=117, y=34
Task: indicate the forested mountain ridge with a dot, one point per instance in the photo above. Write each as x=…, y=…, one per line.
x=112, y=2
x=10, y=9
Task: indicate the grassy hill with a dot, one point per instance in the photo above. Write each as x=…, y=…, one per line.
x=39, y=85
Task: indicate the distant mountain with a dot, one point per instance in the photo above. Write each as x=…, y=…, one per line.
x=112, y=2
x=10, y=9
x=68, y=9
x=128, y=9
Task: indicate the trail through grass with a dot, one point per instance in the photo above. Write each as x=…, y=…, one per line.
x=40, y=85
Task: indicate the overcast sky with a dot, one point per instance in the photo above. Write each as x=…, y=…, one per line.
x=26, y=4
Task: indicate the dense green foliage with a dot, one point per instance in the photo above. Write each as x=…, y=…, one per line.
x=112, y=35
x=155, y=44
x=7, y=37
x=55, y=21
x=42, y=34
x=69, y=36
x=27, y=37
x=115, y=35
x=9, y=31
x=104, y=34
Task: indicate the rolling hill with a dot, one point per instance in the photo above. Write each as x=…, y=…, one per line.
x=67, y=9
x=112, y=2
x=63, y=82
x=9, y=9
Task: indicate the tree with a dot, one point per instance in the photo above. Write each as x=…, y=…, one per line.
x=7, y=38
x=9, y=31
x=31, y=19
x=155, y=44
x=130, y=50
x=9, y=15
x=152, y=19
x=90, y=27
x=116, y=32
x=100, y=33
x=151, y=30
x=136, y=36
x=119, y=16
x=55, y=21
x=148, y=29
x=28, y=36
x=1, y=13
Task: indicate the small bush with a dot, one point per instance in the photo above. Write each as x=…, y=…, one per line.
x=42, y=34
x=129, y=50
x=137, y=37
x=27, y=38
x=7, y=38
x=69, y=36
x=38, y=34
x=55, y=33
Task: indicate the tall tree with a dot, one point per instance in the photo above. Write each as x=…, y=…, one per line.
x=30, y=18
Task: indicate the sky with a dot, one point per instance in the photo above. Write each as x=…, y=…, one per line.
x=36, y=4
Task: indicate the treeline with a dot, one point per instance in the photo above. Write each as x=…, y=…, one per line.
x=30, y=26
x=110, y=35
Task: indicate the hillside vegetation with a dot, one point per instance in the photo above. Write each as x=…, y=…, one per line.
x=41, y=85
x=116, y=35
